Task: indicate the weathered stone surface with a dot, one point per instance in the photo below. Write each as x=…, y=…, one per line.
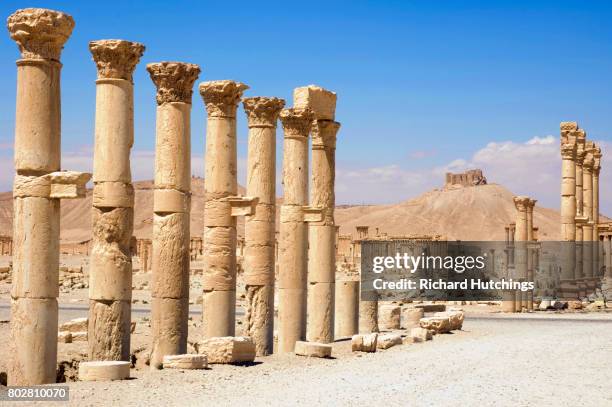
x=389, y=316
x=411, y=317
x=364, y=342
x=388, y=340
x=455, y=317
x=431, y=307
x=169, y=317
x=321, y=101
x=368, y=316
x=109, y=330
x=174, y=80
x=116, y=59
x=437, y=325
x=259, y=317
x=79, y=336
x=346, y=320
x=64, y=337
x=222, y=97
x=185, y=361
x=228, y=349
x=104, y=370
x=74, y=325
x=420, y=334
x=313, y=349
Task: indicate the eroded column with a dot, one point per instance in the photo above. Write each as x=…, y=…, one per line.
x=37, y=190
x=569, y=190
x=588, y=226
x=110, y=275
x=596, y=246
x=260, y=228
x=531, y=264
x=293, y=231
x=221, y=207
x=520, y=248
x=171, y=208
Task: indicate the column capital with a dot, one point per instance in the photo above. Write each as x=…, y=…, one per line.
x=521, y=203
x=531, y=205
x=588, y=162
x=173, y=80
x=568, y=151
x=262, y=111
x=296, y=122
x=222, y=97
x=40, y=33
x=116, y=59
x=324, y=134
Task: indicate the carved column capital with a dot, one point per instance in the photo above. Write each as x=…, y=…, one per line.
x=296, y=122
x=173, y=80
x=568, y=151
x=40, y=33
x=222, y=97
x=324, y=134
x=262, y=111
x=588, y=162
x=521, y=203
x=116, y=59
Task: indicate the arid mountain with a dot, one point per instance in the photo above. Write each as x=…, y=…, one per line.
x=466, y=213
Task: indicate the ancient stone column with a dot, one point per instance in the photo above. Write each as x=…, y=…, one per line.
x=347, y=308
x=596, y=170
x=110, y=275
x=37, y=189
x=221, y=207
x=321, y=235
x=260, y=228
x=520, y=247
x=171, y=209
x=530, y=253
x=588, y=227
x=293, y=239
x=568, y=206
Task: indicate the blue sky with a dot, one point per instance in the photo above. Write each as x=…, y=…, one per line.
x=422, y=86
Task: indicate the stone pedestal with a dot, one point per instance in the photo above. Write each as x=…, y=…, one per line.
x=37, y=190
x=171, y=207
x=347, y=309
x=110, y=275
x=221, y=207
x=260, y=228
x=293, y=232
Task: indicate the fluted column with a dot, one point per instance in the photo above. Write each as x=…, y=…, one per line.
x=260, y=228
x=171, y=208
x=221, y=207
x=37, y=190
x=293, y=231
x=520, y=249
x=110, y=275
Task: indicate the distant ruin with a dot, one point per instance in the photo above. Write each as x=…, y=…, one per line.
x=465, y=179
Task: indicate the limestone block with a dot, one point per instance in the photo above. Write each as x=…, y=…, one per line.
x=185, y=361
x=242, y=205
x=437, y=325
x=313, y=349
x=219, y=308
x=411, y=317
x=259, y=317
x=74, y=325
x=228, y=349
x=368, y=316
x=68, y=184
x=455, y=317
x=364, y=342
x=432, y=307
x=320, y=306
x=113, y=195
x=169, y=319
x=173, y=146
x=64, y=337
x=420, y=334
x=388, y=340
x=170, y=278
x=322, y=102
x=104, y=370
x=109, y=330
x=291, y=317
x=321, y=254
x=79, y=336
x=389, y=316
x=171, y=200
x=292, y=256
x=346, y=317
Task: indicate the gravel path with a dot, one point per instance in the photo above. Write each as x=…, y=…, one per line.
x=493, y=362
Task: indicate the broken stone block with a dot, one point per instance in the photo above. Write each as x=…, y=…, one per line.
x=104, y=370
x=455, y=317
x=79, y=336
x=322, y=102
x=574, y=305
x=437, y=325
x=228, y=349
x=389, y=316
x=410, y=317
x=74, y=325
x=420, y=334
x=386, y=341
x=313, y=349
x=64, y=337
x=431, y=307
x=186, y=361
x=364, y=342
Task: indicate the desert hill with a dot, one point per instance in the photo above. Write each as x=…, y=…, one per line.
x=465, y=213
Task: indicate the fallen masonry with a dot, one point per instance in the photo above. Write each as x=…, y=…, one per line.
x=313, y=349
x=227, y=349
x=364, y=342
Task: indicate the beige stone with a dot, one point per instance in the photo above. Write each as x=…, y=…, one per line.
x=109, y=330
x=347, y=309
x=74, y=325
x=364, y=342
x=437, y=325
x=185, y=361
x=321, y=101
x=368, y=316
x=389, y=316
x=79, y=336
x=228, y=349
x=104, y=370
x=388, y=340
x=313, y=349
x=169, y=328
x=64, y=337
x=410, y=317
x=455, y=317
x=419, y=334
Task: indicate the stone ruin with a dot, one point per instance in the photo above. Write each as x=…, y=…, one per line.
x=465, y=179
